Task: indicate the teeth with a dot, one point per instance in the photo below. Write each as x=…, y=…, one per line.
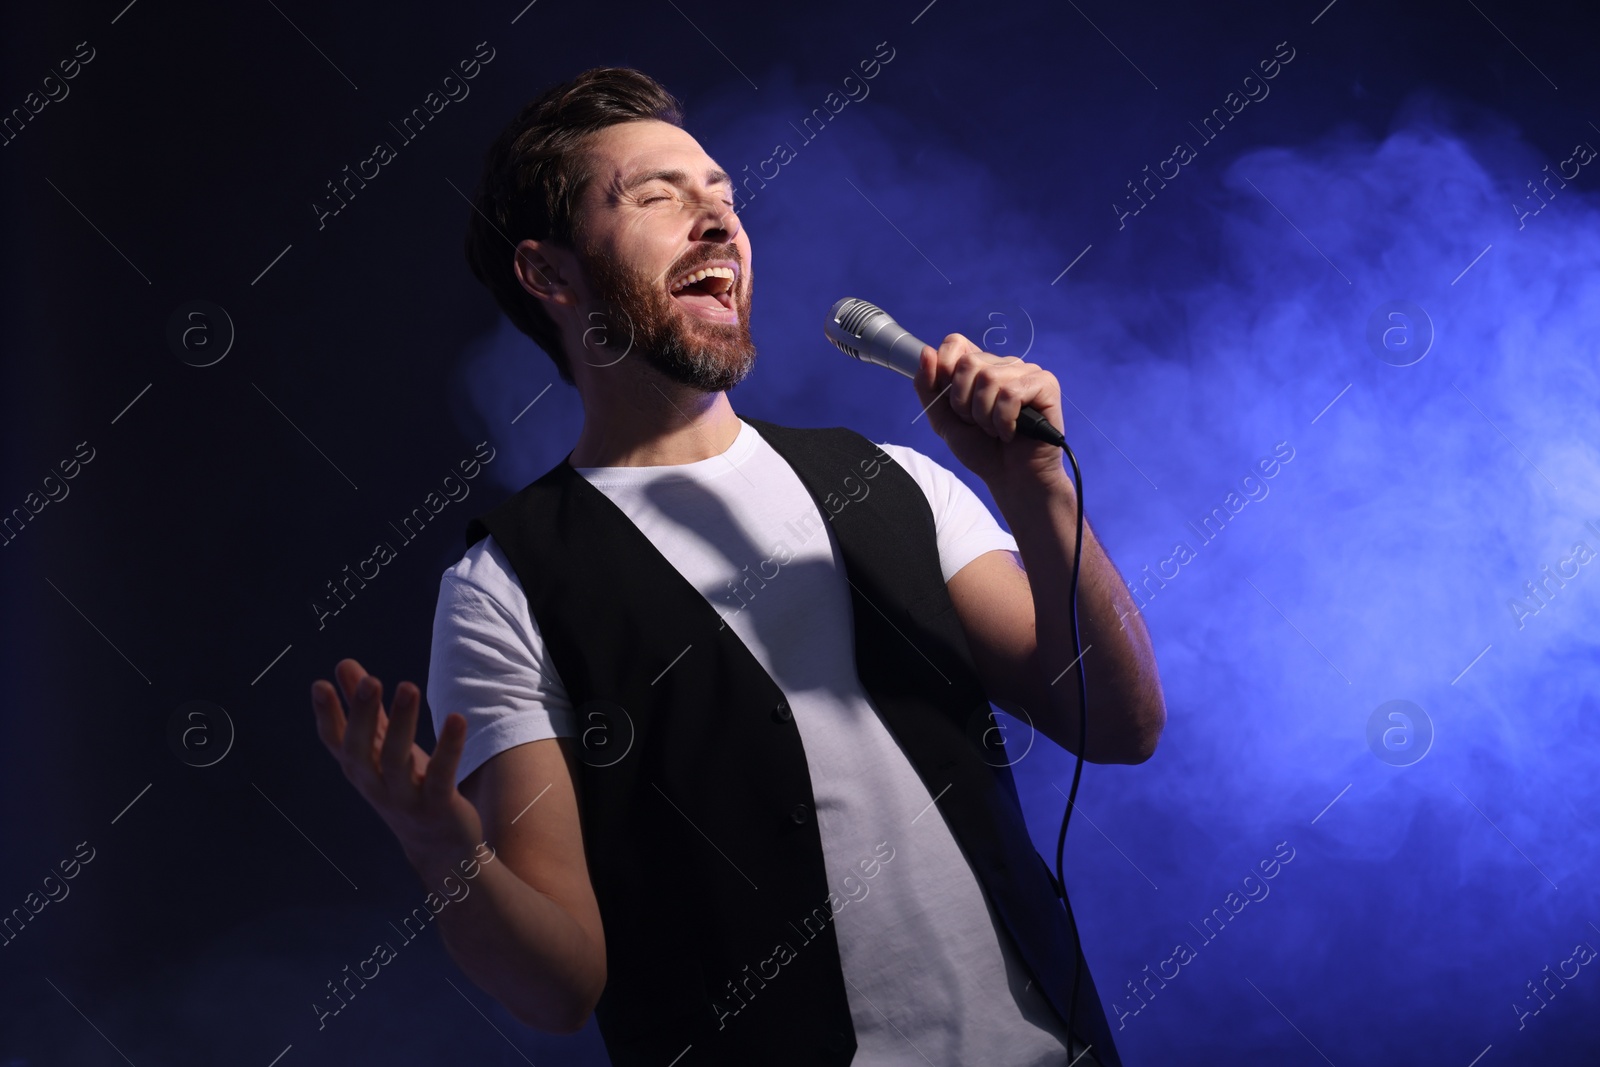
x=707, y=272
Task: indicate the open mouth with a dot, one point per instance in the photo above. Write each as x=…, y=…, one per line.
x=707, y=291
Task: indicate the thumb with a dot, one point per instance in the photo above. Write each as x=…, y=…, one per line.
x=934, y=406
x=927, y=372
x=439, y=780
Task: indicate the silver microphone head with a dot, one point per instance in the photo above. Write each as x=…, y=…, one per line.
x=868, y=333
x=847, y=321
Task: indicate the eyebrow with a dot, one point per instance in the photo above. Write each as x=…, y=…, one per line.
x=714, y=176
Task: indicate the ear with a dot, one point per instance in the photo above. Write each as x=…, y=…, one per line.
x=545, y=271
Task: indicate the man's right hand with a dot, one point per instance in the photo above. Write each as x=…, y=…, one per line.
x=415, y=794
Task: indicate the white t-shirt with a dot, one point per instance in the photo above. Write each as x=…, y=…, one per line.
x=927, y=961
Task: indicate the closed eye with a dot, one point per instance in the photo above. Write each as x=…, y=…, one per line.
x=658, y=197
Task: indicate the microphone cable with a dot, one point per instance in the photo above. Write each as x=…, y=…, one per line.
x=1083, y=733
x=1030, y=423
x=1034, y=425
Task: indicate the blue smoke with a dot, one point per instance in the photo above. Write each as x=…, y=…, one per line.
x=1245, y=310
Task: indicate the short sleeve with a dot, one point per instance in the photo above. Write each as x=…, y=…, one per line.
x=965, y=527
x=488, y=662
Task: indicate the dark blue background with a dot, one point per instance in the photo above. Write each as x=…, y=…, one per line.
x=1231, y=314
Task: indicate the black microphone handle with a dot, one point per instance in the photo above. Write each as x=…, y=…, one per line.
x=1032, y=424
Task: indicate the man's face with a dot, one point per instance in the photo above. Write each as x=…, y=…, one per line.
x=658, y=210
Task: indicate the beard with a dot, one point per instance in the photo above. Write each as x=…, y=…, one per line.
x=636, y=314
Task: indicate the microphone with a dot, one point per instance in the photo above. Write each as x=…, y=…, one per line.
x=866, y=332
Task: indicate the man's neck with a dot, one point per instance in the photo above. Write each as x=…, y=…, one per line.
x=680, y=426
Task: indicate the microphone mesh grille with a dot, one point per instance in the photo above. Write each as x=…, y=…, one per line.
x=854, y=316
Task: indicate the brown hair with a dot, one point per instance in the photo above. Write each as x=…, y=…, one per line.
x=535, y=172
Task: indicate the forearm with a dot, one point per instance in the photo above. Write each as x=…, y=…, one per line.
x=518, y=945
x=1126, y=710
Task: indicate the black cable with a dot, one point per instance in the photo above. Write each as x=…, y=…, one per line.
x=1031, y=423
x=1083, y=733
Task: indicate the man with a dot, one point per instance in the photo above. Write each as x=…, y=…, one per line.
x=684, y=764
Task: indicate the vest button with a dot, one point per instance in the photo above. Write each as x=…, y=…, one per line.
x=800, y=813
x=782, y=713
x=834, y=1042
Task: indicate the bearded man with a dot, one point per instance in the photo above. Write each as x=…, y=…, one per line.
x=716, y=692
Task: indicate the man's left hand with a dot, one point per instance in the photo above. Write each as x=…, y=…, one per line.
x=973, y=398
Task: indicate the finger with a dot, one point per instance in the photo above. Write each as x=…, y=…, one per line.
x=395, y=755
x=1009, y=401
x=951, y=349
x=440, y=780
x=349, y=673
x=1045, y=398
x=1012, y=385
x=365, y=709
x=329, y=716
x=948, y=352
x=988, y=386
x=963, y=379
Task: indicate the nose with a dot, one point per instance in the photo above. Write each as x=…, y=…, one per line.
x=715, y=221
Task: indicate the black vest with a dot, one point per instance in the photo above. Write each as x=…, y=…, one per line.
x=693, y=787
